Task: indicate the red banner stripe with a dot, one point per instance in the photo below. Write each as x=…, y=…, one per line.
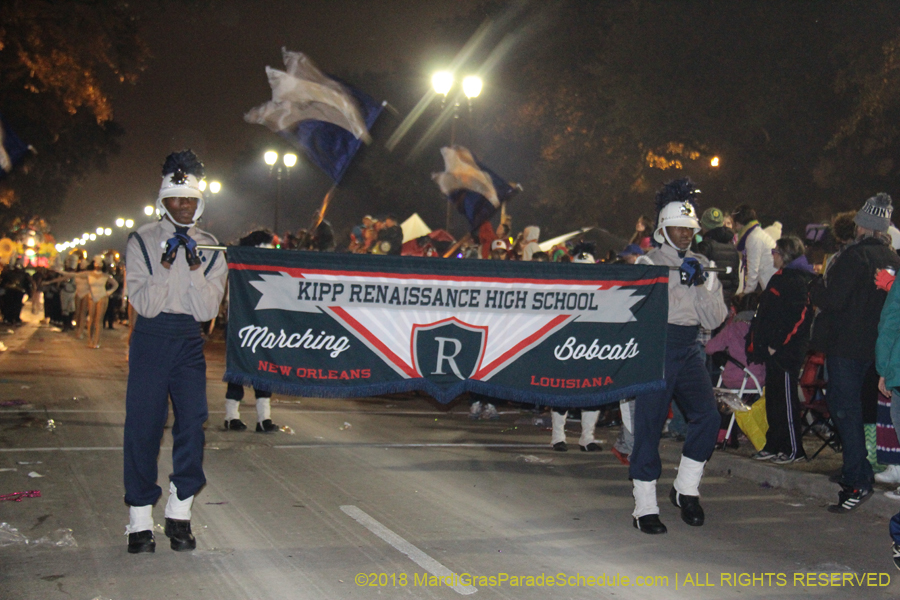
x=387, y=352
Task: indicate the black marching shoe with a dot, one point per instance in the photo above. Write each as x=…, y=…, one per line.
x=235, y=425
x=592, y=447
x=650, y=524
x=141, y=541
x=691, y=511
x=266, y=426
x=180, y=537
x=560, y=447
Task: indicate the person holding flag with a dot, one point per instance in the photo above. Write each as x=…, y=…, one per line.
x=695, y=299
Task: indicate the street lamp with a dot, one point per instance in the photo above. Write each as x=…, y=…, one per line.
x=148, y=210
x=120, y=222
x=472, y=85
x=443, y=82
x=129, y=223
x=279, y=170
x=215, y=187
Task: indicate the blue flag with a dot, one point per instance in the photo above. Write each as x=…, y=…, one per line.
x=474, y=189
x=329, y=146
x=12, y=149
x=322, y=116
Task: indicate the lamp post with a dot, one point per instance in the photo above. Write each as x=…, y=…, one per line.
x=443, y=82
x=278, y=170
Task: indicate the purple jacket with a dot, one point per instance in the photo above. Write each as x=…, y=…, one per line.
x=732, y=339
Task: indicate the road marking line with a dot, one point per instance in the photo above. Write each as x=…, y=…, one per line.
x=401, y=545
x=59, y=449
x=390, y=445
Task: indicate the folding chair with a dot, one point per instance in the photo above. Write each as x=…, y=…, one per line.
x=734, y=397
x=813, y=408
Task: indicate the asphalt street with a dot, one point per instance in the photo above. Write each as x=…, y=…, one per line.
x=387, y=498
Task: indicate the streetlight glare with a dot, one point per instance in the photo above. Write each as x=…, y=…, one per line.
x=107, y=231
x=99, y=231
x=290, y=159
x=215, y=187
x=120, y=222
x=92, y=237
x=472, y=86
x=442, y=81
x=202, y=185
x=714, y=162
x=148, y=210
x=129, y=223
x=271, y=157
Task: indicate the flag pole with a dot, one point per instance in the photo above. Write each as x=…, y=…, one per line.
x=463, y=240
x=325, y=201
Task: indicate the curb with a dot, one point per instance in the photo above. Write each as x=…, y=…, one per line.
x=814, y=485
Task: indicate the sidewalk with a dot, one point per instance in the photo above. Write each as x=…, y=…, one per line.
x=810, y=479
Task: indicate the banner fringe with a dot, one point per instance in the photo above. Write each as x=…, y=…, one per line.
x=444, y=395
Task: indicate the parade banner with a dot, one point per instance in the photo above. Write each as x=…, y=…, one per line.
x=350, y=325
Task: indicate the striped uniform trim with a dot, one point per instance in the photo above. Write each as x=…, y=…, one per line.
x=136, y=235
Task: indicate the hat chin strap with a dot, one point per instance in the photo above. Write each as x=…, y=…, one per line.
x=665, y=233
x=198, y=212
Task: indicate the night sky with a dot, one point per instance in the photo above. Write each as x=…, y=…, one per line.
x=207, y=70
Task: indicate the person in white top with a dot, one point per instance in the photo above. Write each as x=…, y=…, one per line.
x=98, y=297
x=82, y=299
x=755, y=247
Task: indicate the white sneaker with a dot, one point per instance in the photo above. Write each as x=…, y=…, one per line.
x=893, y=494
x=889, y=475
x=475, y=410
x=490, y=412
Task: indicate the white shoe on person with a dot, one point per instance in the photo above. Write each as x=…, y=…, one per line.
x=889, y=475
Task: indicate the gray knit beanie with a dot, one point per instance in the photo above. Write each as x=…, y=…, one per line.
x=875, y=213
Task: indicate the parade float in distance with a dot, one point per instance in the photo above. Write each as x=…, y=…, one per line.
x=31, y=243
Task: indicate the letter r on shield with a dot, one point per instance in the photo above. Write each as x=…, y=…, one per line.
x=448, y=351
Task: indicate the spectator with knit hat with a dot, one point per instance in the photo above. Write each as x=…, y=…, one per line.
x=851, y=305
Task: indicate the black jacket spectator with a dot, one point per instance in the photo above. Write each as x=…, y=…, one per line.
x=851, y=304
x=717, y=245
x=783, y=318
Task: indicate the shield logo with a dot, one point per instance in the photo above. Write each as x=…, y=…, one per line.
x=449, y=351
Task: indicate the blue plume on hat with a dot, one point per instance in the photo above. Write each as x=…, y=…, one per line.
x=677, y=190
x=185, y=162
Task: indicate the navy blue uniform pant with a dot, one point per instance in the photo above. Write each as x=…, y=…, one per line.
x=160, y=367
x=687, y=382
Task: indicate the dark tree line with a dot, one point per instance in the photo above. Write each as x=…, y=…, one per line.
x=598, y=103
